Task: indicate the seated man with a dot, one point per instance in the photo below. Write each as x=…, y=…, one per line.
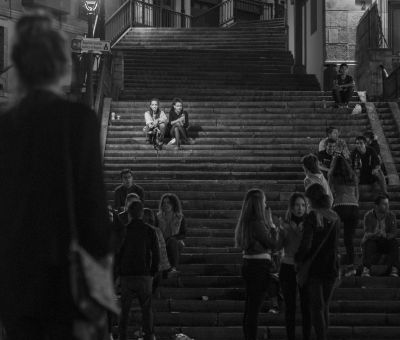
x=127, y=187
x=340, y=147
x=366, y=163
x=343, y=87
x=325, y=157
x=380, y=230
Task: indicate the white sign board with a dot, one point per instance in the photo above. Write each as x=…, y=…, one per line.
x=95, y=45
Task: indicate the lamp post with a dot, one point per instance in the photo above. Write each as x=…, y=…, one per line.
x=91, y=8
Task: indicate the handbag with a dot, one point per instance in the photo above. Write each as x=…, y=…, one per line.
x=304, y=269
x=92, y=286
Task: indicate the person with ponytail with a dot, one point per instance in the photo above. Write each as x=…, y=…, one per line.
x=290, y=237
x=317, y=257
x=257, y=236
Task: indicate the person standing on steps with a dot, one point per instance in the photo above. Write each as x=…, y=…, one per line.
x=172, y=223
x=325, y=157
x=365, y=160
x=156, y=124
x=343, y=87
x=137, y=263
x=290, y=238
x=179, y=123
x=127, y=187
x=50, y=169
x=380, y=231
x=344, y=185
x=257, y=236
x=314, y=175
x=318, y=251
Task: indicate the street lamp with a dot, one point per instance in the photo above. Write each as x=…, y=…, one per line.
x=91, y=6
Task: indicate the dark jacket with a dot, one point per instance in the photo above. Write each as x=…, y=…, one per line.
x=139, y=254
x=121, y=192
x=173, y=116
x=316, y=227
x=264, y=239
x=35, y=233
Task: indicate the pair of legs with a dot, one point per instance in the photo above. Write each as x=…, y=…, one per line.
x=319, y=292
x=374, y=248
x=152, y=136
x=179, y=133
x=139, y=287
x=342, y=97
x=174, y=248
x=349, y=215
x=256, y=276
x=287, y=277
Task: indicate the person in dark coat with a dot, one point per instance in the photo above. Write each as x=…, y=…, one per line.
x=127, y=187
x=37, y=137
x=178, y=122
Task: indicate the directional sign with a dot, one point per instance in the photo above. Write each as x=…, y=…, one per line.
x=85, y=45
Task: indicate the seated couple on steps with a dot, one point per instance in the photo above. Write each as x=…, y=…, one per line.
x=158, y=125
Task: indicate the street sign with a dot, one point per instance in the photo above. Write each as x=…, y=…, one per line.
x=95, y=45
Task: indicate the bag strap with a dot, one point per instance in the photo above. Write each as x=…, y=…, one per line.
x=322, y=243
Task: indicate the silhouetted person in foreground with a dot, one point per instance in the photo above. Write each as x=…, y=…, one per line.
x=38, y=136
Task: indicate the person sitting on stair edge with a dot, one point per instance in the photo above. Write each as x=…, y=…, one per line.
x=126, y=188
x=380, y=231
x=366, y=163
x=179, y=123
x=343, y=87
x=340, y=147
x=172, y=223
x=314, y=175
x=156, y=124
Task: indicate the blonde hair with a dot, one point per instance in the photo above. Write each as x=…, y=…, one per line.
x=252, y=210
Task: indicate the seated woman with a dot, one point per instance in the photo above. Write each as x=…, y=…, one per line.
x=172, y=223
x=179, y=123
x=156, y=123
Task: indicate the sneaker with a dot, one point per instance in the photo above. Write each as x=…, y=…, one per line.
x=172, y=141
x=394, y=272
x=274, y=310
x=365, y=272
x=350, y=271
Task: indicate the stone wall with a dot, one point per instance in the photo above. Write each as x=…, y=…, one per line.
x=341, y=24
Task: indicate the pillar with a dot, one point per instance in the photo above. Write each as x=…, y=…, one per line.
x=298, y=37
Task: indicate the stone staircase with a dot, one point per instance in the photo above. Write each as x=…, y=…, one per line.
x=252, y=120
x=238, y=63
x=240, y=145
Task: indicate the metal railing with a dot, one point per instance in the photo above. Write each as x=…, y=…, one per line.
x=140, y=13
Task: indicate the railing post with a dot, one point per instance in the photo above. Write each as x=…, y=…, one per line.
x=131, y=13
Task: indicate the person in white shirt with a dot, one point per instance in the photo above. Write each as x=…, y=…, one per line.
x=156, y=124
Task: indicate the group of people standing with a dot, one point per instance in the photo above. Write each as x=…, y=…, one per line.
x=309, y=239
x=158, y=127
x=147, y=247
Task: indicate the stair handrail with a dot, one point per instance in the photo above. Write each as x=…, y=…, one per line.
x=204, y=14
x=104, y=86
x=119, y=22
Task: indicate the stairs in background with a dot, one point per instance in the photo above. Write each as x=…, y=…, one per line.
x=240, y=145
x=238, y=63
x=252, y=120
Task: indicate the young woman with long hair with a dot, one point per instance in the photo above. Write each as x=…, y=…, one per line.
x=156, y=124
x=179, y=123
x=344, y=185
x=172, y=223
x=257, y=236
x=318, y=251
x=290, y=237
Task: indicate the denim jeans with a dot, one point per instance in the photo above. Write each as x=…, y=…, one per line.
x=320, y=293
x=141, y=288
x=256, y=276
x=287, y=277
